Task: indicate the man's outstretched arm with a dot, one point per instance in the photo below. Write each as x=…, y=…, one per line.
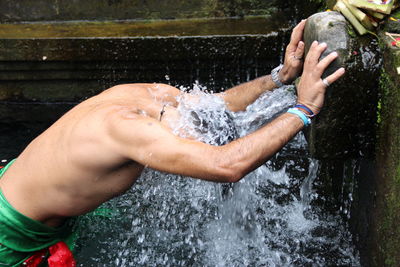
x=149, y=143
x=239, y=97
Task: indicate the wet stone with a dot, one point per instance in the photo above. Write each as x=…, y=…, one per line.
x=345, y=126
x=331, y=28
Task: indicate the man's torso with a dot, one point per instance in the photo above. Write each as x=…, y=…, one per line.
x=73, y=166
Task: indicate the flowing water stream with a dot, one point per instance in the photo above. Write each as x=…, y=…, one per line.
x=269, y=218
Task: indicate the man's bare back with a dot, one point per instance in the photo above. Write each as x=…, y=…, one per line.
x=74, y=166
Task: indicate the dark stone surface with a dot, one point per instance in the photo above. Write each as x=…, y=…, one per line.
x=345, y=128
x=140, y=49
x=40, y=10
x=27, y=10
x=21, y=122
x=349, y=188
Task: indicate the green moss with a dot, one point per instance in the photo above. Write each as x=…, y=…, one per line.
x=384, y=84
x=378, y=115
x=350, y=31
x=391, y=230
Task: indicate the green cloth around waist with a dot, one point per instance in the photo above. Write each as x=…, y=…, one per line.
x=21, y=236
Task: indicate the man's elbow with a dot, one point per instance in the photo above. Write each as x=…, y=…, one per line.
x=231, y=175
x=229, y=169
x=235, y=178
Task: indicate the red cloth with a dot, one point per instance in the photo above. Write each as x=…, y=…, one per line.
x=396, y=43
x=35, y=259
x=60, y=256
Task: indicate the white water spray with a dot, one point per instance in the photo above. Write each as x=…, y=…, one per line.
x=267, y=219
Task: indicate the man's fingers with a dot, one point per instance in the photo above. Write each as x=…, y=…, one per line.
x=315, y=53
x=299, y=51
x=297, y=33
x=324, y=63
x=335, y=76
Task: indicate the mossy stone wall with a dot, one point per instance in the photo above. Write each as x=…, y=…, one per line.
x=386, y=219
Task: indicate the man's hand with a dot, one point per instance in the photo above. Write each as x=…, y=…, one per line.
x=293, y=62
x=311, y=89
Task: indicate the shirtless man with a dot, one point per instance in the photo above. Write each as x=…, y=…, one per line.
x=99, y=148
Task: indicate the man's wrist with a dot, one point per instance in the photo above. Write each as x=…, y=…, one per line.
x=284, y=76
x=306, y=110
x=275, y=76
x=301, y=114
x=314, y=108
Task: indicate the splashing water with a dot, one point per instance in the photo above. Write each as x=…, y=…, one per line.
x=267, y=219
